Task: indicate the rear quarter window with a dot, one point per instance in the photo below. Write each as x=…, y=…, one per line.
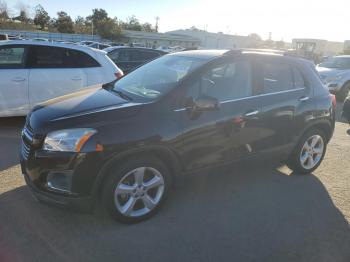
x=276, y=77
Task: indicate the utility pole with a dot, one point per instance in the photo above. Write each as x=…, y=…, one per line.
x=92, y=27
x=157, y=25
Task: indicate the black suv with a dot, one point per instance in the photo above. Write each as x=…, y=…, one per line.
x=124, y=144
x=129, y=58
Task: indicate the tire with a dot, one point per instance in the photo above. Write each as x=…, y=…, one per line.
x=343, y=93
x=297, y=161
x=125, y=188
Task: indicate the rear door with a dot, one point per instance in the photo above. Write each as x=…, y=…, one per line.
x=53, y=73
x=13, y=80
x=286, y=101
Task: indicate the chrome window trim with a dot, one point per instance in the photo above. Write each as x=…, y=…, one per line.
x=249, y=97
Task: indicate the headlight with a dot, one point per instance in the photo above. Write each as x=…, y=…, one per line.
x=68, y=140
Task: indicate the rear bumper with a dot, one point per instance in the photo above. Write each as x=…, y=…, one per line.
x=85, y=204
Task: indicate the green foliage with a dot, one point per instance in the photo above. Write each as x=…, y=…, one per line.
x=97, y=23
x=41, y=17
x=64, y=23
x=4, y=12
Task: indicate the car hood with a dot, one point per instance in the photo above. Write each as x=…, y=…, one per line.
x=89, y=104
x=330, y=72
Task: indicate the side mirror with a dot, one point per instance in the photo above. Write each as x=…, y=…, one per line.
x=205, y=103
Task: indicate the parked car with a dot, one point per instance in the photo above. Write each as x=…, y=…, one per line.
x=346, y=110
x=127, y=142
x=335, y=72
x=33, y=72
x=129, y=58
x=4, y=37
x=40, y=39
x=98, y=45
x=86, y=42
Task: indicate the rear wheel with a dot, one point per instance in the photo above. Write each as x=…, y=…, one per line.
x=309, y=153
x=136, y=190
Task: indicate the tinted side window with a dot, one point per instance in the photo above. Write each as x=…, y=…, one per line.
x=276, y=77
x=56, y=57
x=298, y=78
x=147, y=55
x=225, y=81
x=114, y=55
x=81, y=59
x=124, y=56
x=12, y=57
x=47, y=57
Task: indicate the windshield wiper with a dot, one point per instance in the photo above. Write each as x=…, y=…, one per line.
x=121, y=94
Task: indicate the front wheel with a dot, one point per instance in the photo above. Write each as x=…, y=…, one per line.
x=135, y=190
x=309, y=152
x=343, y=93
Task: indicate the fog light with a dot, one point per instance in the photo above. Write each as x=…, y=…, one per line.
x=60, y=181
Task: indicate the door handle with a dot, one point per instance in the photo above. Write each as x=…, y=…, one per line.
x=18, y=79
x=304, y=98
x=76, y=78
x=252, y=113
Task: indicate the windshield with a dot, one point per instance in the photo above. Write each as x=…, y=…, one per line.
x=337, y=62
x=156, y=78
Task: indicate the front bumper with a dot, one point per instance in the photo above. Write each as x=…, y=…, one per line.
x=83, y=169
x=75, y=203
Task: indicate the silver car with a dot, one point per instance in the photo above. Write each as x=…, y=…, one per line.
x=335, y=74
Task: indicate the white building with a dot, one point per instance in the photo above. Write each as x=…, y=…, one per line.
x=319, y=46
x=156, y=40
x=215, y=40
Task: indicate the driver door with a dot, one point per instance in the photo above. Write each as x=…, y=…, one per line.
x=228, y=132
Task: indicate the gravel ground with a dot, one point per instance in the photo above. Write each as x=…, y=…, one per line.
x=249, y=212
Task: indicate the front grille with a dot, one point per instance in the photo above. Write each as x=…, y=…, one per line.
x=27, y=140
x=25, y=150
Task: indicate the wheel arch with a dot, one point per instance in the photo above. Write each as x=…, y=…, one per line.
x=322, y=125
x=163, y=153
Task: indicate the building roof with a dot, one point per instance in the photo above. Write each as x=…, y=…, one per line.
x=160, y=36
x=187, y=32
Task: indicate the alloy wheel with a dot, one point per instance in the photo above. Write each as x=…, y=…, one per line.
x=139, y=192
x=312, y=152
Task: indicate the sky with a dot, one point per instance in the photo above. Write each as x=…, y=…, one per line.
x=322, y=19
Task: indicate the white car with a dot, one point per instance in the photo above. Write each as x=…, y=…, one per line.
x=32, y=72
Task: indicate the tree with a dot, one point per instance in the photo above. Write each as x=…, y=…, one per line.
x=109, y=29
x=98, y=15
x=256, y=41
x=64, y=23
x=23, y=13
x=4, y=11
x=41, y=18
x=132, y=23
x=195, y=29
x=81, y=26
x=103, y=25
x=147, y=27
x=280, y=44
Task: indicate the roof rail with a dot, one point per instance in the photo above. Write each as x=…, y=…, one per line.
x=290, y=53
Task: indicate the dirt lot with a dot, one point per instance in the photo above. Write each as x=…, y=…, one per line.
x=250, y=212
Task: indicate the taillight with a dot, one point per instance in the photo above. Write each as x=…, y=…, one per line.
x=334, y=100
x=119, y=74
